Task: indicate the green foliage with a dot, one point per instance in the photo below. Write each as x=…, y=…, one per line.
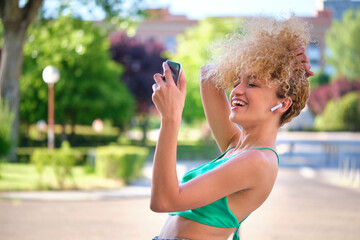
x=6, y=120
x=122, y=162
x=24, y=153
x=41, y=158
x=318, y=79
x=62, y=161
x=192, y=53
x=113, y=10
x=341, y=115
x=89, y=85
x=343, y=39
x=1, y=35
x=352, y=113
x=23, y=177
x=199, y=151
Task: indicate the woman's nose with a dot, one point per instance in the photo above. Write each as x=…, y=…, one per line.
x=239, y=88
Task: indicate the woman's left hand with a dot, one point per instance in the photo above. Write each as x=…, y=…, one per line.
x=300, y=55
x=167, y=97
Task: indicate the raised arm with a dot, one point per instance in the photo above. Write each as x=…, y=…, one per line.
x=217, y=110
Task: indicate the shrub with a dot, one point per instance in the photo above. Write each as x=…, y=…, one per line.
x=319, y=97
x=352, y=114
x=6, y=120
x=40, y=158
x=24, y=153
x=340, y=115
x=199, y=151
x=318, y=79
x=122, y=162
x=62, y=161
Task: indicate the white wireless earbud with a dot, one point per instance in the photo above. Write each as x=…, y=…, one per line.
x=276, y=107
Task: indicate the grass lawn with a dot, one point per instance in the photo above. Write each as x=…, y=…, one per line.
x=23, y=177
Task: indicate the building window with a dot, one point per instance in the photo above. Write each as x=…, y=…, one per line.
x=313, y=52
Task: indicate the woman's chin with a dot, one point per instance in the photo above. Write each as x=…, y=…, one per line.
x=235, y=119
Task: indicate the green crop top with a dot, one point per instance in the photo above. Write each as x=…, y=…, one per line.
x=216, y=214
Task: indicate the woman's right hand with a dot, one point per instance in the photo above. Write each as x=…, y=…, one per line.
x=300, y=54
x=167, y=97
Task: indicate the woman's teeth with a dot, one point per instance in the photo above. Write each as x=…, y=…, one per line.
x=237, y=103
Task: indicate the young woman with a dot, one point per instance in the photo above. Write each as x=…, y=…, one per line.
x=267, y=69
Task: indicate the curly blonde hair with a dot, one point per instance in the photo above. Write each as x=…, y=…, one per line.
x=264, y=47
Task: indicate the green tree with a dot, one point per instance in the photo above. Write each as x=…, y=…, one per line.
x=16, y=16
x=88, y=87
x=340, y=115
x=192, y=52
x=343, y=39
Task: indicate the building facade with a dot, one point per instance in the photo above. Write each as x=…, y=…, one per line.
x=164, y=28
x=338, y=7
x=316, y=50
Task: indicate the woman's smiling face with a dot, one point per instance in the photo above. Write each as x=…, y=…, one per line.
x=251, y=101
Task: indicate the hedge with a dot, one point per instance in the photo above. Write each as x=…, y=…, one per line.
x=341, y=115
x=62, y=160
x=121, y=162
x=6, y=120
x=24, y=153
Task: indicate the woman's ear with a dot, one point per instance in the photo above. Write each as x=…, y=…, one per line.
x=286, y=103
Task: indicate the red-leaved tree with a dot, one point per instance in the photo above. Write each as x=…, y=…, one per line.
x=141, y=60
x=320, y=96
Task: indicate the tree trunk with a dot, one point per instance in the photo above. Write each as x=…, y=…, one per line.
x=63, y=133
x=72, y=139
x=15, y=21
x=11, y=64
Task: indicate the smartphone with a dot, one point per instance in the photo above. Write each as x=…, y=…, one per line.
x=175, y=68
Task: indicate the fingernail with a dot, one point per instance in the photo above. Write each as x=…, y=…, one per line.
x=165, y=66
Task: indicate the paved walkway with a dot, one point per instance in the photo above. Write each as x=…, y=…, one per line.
x=303, y=205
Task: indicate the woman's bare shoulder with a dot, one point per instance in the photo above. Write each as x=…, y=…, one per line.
x=255, y=163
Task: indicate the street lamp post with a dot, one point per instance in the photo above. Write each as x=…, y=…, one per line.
x=50, y=76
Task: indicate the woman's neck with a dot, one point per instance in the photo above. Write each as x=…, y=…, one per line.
x=258, y=136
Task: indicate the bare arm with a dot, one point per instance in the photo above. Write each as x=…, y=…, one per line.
x=169, y=100
x=217, y=110
x=245, y=171
x=165, y=183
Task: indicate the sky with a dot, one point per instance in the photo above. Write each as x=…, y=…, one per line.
x=198, y=9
